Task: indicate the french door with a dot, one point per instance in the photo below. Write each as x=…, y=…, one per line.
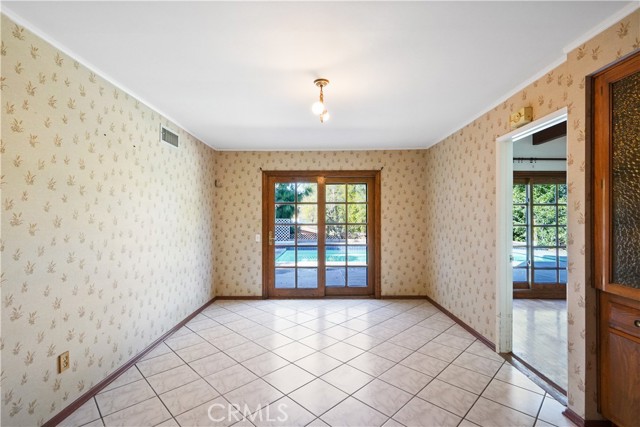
x=539, y=253
x=321, y=233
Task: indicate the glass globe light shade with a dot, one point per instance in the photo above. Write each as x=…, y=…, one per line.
x=317, y=108
x=325, y=116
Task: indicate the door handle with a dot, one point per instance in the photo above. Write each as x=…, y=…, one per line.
x=271, y=238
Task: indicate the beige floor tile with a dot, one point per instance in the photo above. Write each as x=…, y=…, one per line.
x=342, y=351
x=197, y=351
x=487, y=413
x=283, y=412
x=381, y=332
x=159, y=364
x=479, y=364
x=339, y=332
x=265, y=363
x=464, y=378
x=459, y=331
x=293, y=351
x=85, y=414
x=278, y=324
x=318, y=396
x=158, y=350
x=130, y=375
x=347, y=378
x=288, y=378
x=231, y=378
x=256, y=332
x=318, y=341
x=390, y=351
x=453, y=341
x=383, y=396
x=392, y=423
x=273, y=341
x=424, y=414
x=363, y=341
x=318, y=363
x=184, y=341
x=241, y=325
x=215, y=333
x=147, y=413
x=228, y=341
x=358, y=325
x=245, y=351
x=481, y=349
x=171, y=422
x=406, y=378
x=318, y=325
x=188, y=396
x=426, y=364
x=95, y=423
x=434, y=324
x=440, y=351
x=119, y=398
x=513, y=397
x=253, y=396
x=173, y=378
x=511, y=375
x=353, y=413
x=371, y=364
x=551, y=412
x=297, y=332
x=212, y=364
x=204, y=323
x=214, y=413
x=448, y=397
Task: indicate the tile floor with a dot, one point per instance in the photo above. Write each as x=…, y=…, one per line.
x=540, y=336
x=318, y=363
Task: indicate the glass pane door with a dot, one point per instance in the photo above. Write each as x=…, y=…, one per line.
x=346, y=235
x=320, y=234
x=295, y=235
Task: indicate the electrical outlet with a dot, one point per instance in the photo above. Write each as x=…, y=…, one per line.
x=63, y=362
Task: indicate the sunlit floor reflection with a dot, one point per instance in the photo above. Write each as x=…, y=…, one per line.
x=540, y=336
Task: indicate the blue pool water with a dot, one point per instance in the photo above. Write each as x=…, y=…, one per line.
x=334, y=254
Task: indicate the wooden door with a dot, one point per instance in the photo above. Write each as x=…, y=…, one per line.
x=321, y=233
x=616, y=191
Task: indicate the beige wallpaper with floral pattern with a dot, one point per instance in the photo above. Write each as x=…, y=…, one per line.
x=238, y=213
x=461, y=223
x=106, y=232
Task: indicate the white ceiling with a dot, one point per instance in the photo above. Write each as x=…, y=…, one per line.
x=239, y=75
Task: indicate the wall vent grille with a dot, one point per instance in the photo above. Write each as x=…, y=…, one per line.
x=168, y=136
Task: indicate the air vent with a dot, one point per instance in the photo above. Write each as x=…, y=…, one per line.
x=168, y=136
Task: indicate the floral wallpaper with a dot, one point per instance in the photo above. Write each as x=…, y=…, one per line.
x=238, y=213
x=461, y=199
x=106, y=232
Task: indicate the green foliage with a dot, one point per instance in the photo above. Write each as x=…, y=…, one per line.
x=286, y=193
x=544, y=214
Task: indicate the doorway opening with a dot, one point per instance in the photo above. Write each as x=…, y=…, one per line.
x=532, y=247
x=321, y=233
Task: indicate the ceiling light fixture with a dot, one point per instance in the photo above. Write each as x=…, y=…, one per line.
x=319, y=108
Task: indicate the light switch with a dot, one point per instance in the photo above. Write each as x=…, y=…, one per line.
x=258, y=238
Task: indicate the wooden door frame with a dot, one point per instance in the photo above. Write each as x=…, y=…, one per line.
x=374, y=263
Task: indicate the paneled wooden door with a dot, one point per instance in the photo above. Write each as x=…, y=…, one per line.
x=616, y=195
x=321, y=233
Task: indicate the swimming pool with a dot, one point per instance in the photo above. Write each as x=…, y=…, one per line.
x=520, y=257
x=334, y=255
